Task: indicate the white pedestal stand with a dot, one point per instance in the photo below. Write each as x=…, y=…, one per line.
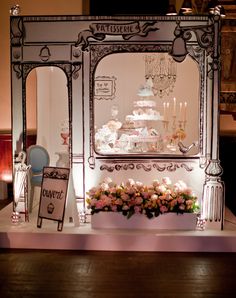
x=71, y=212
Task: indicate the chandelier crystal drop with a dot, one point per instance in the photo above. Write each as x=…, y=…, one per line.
x=162, y=71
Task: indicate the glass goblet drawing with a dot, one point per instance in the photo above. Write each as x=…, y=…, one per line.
x=65, y=133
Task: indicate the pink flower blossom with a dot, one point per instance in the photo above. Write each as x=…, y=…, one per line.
x=125, y=207
x=156, y=183
x=93, y=202
x=107, y=180
x=130, y=190
x=130, y=182
x=161, y=189
x=137, y=209
x=145, y=194
x=180, y=200
x=118, y=202
x=125, y=197
x=166, y=181
x=92, y=191
x=181, y=207
x=154, y=197
x=104, y=186
x=139, y=184
x=114, y=208
x=173, y=203
x=138, y=198
x=99, y=205
x=163, y=209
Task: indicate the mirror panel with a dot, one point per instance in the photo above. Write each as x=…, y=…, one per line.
x=140, y=109
x=31, y=108
x=47, y=103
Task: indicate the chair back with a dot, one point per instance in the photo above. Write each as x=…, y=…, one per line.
x=38, y=158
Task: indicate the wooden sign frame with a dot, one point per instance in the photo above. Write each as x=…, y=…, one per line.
x=53, y=195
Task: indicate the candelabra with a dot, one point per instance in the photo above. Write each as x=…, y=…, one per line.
x=178, y=125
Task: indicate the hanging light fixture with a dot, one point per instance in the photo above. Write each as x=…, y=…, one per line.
x=171, y=10
x=211, y=6
x=219, y=10
x=161, y=69
x=186, y=7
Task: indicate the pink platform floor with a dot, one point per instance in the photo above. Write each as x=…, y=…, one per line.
x=83, y=237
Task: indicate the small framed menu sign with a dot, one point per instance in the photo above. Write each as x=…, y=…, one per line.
x=53, y=195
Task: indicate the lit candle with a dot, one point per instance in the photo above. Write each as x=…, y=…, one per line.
x=174, y=107
x=164, y=108
x=185, y=111
x=180, y=111
x=167, y=110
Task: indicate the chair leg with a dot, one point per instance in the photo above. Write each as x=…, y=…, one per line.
x=31, y=198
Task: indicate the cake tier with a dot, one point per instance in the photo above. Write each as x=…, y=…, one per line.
x=144, y=103
x=146, y=117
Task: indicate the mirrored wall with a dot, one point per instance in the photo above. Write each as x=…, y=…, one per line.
x=146, y=103
x=47, y=110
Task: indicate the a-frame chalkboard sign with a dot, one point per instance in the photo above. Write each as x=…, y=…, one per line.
x=53, y=195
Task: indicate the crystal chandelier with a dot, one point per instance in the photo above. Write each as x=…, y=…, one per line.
x=162, y=70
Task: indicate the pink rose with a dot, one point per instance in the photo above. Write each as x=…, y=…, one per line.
x=114, y=208
x=137, y=209
x=125, y=207
x=130, y=182
x=182, y=207
x=155, y=183
x=163, y=209
x=104, y=186
x=125, y=196
x=166, y=180
x=139, y=184
x=138, y=200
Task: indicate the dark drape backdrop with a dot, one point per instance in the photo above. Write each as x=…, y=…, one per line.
x=128, y=7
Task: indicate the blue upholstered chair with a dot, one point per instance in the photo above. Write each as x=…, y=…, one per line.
x=38, y=158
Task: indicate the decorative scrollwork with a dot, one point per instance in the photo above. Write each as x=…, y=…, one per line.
x=214, y=168
x=186, y=167
x=204, y=35
x=159, y=167
x=99, y=51
x=228, y=97
x=56, y=174
x=145, y=167
x=75, y=70
x=117, y=167
x=16, y=53
x=18, y=70
x=16, y=31
x=171, y=167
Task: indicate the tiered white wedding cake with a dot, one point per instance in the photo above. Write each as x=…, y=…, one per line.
x=138, y=133
x=139, y=129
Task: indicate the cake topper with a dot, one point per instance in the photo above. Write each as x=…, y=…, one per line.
x=146, y=89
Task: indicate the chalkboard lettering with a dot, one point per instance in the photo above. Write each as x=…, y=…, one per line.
x=53, y=194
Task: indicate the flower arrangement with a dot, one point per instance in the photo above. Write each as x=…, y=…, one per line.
x=133, y=197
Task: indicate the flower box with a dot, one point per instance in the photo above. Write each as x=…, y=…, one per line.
x=169, y=220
